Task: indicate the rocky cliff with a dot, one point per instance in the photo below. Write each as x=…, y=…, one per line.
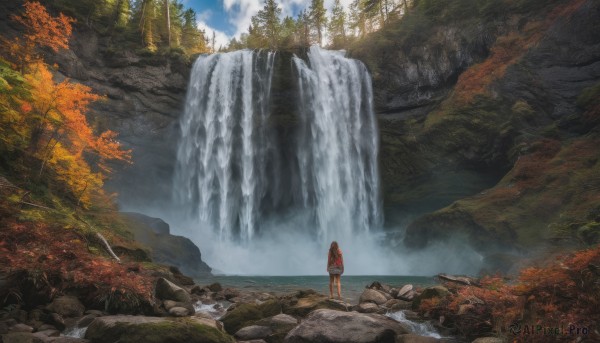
x=144, y=96
x=487, y=124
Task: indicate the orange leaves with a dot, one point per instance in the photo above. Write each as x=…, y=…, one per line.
x=65, y=263
x=565, y=292
x=41, y=30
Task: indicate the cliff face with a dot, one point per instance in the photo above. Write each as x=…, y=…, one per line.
x=144, y=98
x=485, y=126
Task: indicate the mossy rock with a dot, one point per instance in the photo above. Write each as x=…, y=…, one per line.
x=308, y=302
x=248, y=314
x=135, y=329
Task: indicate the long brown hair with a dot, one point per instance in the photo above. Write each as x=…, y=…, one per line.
x=334, y=251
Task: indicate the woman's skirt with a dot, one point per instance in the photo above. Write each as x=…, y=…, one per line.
x=335, y=270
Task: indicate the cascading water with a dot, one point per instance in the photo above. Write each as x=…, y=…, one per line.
x=339, y=142
x=222, y=157
x=270, y=203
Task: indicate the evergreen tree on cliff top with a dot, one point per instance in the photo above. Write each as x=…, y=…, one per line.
x=318, y=18
x=268, y=23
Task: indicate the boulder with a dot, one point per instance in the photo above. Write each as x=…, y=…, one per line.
x=330, y=326
x=489, y=340
x=67, y=306
x=49, y=333
x=367, y=307
x=167, y=290
x=23, y=337
x=246, y=314
x=20, y=328
x=169, y=304
x=253, y=332
x=215, y=287
x=412, y=338
x=154, y=233
x=136, y=329
x=371, y=295
x=57, y=320
x=404, y=291
x=304, y=302
x=68, y=340
x=283, y=319
x=179, y=311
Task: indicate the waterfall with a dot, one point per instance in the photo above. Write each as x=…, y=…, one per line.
x=221, y=161
x=338, y=147
x=264, y=192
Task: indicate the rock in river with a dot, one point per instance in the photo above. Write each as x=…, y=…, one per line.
x=330, y=326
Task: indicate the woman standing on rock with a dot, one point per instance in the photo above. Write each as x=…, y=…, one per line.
x=335, y=268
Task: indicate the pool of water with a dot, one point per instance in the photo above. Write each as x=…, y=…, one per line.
x=352, y=285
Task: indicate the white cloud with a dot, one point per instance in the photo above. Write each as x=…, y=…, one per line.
x=204, y=15
x=221, y=38
x=239, y=14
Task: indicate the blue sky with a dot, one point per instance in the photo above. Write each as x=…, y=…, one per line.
x=230, y=18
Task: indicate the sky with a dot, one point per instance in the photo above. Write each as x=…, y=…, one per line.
x=230, y=18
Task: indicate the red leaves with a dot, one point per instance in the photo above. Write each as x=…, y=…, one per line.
x=565, y=292
x=66, y=263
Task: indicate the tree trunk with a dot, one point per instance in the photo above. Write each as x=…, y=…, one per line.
x=167, y=14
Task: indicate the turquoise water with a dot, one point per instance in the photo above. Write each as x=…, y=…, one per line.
x=352, y=285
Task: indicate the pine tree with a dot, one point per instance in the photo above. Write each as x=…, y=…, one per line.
x=268, y=22
x=337, y=25
x=318, y=18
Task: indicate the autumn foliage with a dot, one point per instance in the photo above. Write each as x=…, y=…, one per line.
x=42, y=261
x=507, y=51
x=562, y=294
x=45, y=120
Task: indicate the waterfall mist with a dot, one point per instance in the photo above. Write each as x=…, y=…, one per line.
x=259, y=203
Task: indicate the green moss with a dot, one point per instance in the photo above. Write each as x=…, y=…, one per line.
x=588, y=96
x=173, y=331
x=247, y=314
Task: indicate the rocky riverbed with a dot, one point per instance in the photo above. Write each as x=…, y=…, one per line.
x=186, y=312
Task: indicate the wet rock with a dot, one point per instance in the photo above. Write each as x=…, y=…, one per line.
x=489, y=340
x=179, y=312
x=20, y=328
x=95, y=312
x=57, y=320
x=330, y=326
x=49, y=333
x=86, y=320
x=246, y=314
x=46, y=327
x=167, y=290
x=367, y=307
x=215, y=287
x=371, y=295
x=68, y=340
x=412, y=338
x=283, y=319
x=67, y=306
x=253, y=332
x=23, y=337
x=136, y=329
x=304, y=302
x=404, y=291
